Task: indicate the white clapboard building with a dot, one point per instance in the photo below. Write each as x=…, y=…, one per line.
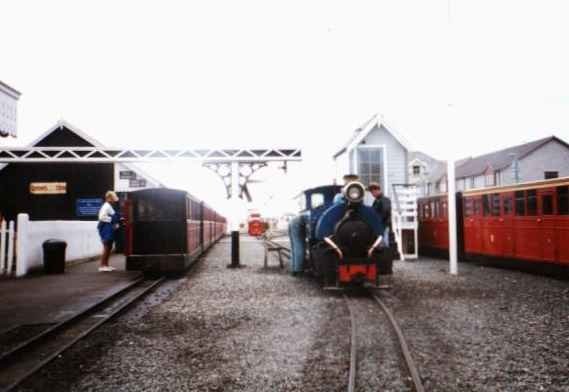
x=8, y=110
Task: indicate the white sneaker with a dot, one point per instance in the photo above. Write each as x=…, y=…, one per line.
x=105, y=269
x=111, y=268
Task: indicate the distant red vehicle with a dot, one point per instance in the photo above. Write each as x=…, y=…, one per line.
x=523, y=222
x=256, y=225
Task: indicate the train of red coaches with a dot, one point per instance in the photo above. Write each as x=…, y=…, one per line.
x=526, y=223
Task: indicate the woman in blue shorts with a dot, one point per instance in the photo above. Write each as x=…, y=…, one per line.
x=109, y=221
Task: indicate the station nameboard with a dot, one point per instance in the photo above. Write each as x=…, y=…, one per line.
x=48, y=188
x=88, y=207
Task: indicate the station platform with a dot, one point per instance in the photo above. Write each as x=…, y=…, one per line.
x=48, y=299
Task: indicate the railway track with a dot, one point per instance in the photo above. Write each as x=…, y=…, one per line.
x=26, y=358
x=417, y=384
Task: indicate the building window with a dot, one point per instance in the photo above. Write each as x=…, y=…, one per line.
x=416, y=170
x=550, y=174
x=497, y=178
x=370, y=163
x=490, y=179
x=472, y=183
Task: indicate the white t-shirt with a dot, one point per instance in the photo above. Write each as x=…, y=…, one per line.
x=106, y=212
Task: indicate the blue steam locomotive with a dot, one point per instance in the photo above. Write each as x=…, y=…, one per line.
x=344, y=236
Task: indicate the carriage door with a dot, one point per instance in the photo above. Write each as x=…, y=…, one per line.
x=546, y=223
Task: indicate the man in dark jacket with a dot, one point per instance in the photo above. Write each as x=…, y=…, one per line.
x=382, y=205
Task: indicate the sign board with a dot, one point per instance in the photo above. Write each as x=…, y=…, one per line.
x=88, y=207
x=137, y=183
x=48, y=188
x=127, y=175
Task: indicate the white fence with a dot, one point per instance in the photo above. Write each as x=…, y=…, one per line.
x=81, y=237
x=7, y=244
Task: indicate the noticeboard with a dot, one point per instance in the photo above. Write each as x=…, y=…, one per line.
x=88, y=207
x=141, y=183
x=127, y=175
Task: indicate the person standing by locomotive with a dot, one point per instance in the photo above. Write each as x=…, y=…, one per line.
x=297, y=234
x=382, y=206
x=109, y=222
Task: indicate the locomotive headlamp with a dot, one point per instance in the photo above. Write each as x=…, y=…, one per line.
x=354, y=192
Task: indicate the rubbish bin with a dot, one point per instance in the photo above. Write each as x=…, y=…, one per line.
x=54, y=256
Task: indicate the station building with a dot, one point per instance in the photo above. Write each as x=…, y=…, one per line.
x=375, y=152
x=65, y=191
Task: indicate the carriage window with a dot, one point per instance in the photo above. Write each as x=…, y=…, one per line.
x=520, y=203
x=468, y=207
x=532, y=202
x=444, y=209
x=547, y=205
x=507, y=203
x=495, y=207
x=477, y=206
x=437, y=209
x=563, y=200
x=316, y=200
x=486, y=205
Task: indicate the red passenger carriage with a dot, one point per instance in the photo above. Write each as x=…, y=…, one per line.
x=528, y=221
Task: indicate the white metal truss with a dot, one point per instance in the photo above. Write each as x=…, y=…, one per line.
x=110, y=155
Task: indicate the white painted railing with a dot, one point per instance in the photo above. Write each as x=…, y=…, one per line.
x=7, y=244
x=404, y=218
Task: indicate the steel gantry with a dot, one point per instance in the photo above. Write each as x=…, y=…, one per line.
x=234, y=166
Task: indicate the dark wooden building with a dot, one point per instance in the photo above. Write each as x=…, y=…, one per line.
x=46, y=191
x=65, y=191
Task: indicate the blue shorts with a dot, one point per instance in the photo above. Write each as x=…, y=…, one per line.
x=106, y=232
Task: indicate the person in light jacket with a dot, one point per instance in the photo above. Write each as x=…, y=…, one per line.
x=109, y=222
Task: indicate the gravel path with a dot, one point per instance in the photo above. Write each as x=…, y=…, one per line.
x=219, y=330
x=380, y=366
x=486, y=330
x=262, y=330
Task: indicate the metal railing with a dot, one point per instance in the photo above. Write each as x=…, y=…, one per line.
x=404, y=217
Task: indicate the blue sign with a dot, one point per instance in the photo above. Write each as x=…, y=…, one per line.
x=88, y=207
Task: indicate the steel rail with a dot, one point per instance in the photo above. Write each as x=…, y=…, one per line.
x=62, y=324
x=411, y=366
x=353, y=348
x=76, y=322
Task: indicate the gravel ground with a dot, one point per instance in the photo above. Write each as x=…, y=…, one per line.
x=219, y=330
x=485, y=330
x=261, y=330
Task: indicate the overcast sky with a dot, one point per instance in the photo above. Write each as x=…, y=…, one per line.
x=290, y=73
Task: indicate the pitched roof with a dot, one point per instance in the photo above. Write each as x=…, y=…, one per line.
x=93, y=142
x=11, y=91
x=360, y=133
x=497, y=160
